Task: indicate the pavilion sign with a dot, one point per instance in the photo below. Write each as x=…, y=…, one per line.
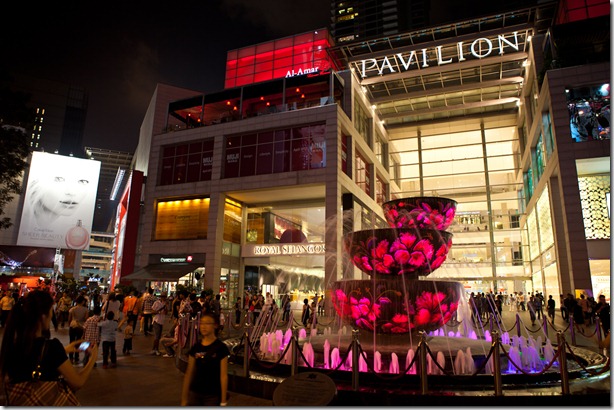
x=479, y=48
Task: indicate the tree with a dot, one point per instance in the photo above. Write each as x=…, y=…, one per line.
x=15, y=118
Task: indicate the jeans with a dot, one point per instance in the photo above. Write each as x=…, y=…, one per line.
x=74, y=333
x=108, y=347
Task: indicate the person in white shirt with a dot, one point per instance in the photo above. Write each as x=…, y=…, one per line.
x=159, y=316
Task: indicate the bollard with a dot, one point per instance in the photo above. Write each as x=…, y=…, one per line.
x=424, y=386
x=563, y=362
x=294, y=368
x=496, y=361
x=572, y=331
x=246, y=355
x=490, y=323
x=545, y=326
x=518, y=325
x=355, y=361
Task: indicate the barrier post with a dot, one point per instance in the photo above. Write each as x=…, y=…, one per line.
x=247, y=354
x=598, y=330
x=545, y=325
x=496, y=361
x=355, y=361
x=518, y=325
x=572, y=330
x=563, y=362
x=294, y=368
x=424, y=386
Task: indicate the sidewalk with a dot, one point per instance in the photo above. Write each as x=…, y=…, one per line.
x=140, y=379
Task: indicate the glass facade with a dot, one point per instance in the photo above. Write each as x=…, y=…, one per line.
x=476, y=167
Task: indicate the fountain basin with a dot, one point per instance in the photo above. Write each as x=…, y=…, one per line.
x=422, y=212
x=396, y=305
x=391, y=252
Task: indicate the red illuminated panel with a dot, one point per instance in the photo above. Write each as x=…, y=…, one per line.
x=291, y=56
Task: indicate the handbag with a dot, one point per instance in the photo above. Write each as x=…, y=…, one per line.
x=38, y=392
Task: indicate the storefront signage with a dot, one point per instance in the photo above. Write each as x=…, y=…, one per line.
x=284, y=249
x=300, y=71
x=176, y=260
x=478, y=48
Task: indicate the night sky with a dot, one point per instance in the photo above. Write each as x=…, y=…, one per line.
x=120, y=50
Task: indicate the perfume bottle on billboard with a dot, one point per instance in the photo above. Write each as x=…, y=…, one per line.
x=77, y=237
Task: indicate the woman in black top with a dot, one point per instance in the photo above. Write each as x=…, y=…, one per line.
x=206, y=377
x=24, y=340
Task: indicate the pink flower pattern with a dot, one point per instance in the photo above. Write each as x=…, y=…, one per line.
x=431, y=310
x=420, y=214
x=406, y=254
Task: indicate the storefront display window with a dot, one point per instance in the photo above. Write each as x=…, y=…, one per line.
x=594, y=192
x=589, y=112
x=182, y=219
x=232, y=221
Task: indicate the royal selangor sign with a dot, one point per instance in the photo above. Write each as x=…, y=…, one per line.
x=283, y=249
x=426, y=57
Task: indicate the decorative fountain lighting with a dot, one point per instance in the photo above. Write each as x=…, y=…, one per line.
x=395, y=300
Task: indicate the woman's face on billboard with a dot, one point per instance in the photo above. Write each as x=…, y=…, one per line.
x=61, y=193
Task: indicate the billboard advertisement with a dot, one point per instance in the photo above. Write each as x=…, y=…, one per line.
x=59, y=203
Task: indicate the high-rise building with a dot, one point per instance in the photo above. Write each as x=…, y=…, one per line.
x=360, y=20
x=60, y=110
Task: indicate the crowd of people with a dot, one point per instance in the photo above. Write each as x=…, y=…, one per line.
x=28, y=348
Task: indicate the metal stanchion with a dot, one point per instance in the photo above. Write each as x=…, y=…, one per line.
x=355, y=364
x=518, y=325
x=424, y=385
x=496, y=361
x=598, y=330
x=294, y=368
x=572, y=331
x=247, y=354
x=545, y=325
x=563, y=362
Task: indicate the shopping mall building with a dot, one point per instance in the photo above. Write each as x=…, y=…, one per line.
x=254, y=187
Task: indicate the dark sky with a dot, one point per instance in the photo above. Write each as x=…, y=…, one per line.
x=119, y=50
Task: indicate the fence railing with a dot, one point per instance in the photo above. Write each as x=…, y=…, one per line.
x=423, y=363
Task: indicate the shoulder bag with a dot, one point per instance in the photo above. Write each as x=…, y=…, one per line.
x=36, y=392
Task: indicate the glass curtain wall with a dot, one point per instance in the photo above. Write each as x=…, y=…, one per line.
x=478, y=169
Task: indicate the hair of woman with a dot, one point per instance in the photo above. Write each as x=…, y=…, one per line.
x=22, y=325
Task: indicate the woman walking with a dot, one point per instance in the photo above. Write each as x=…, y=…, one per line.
x=206, y=378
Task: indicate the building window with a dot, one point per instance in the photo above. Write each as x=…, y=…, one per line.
x=380, y=190
x=272, y=152
x=362, y=122
x=363, y=174
x=188, y=162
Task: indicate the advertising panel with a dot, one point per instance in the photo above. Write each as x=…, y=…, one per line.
x=59, y=204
